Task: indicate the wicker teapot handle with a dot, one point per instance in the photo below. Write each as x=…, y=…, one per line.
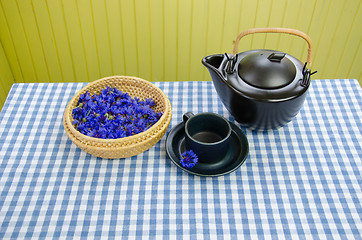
x=278, y=30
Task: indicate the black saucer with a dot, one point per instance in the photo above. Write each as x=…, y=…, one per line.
x=235, y=157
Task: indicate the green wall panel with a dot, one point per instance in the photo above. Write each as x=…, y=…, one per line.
x=165, y=40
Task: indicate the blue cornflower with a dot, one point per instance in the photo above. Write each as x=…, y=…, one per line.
x=105, y=91
x=84, y=97
x=77, y=114
x=149, y=102
x=94, y=133
x=103, y=133
x=158, y=115
x=90, y=105
x=141, y=124
x=128, y=128
x=82, y=127
x=75, y=122
x=120, y=133
x=188, y=159
x=137, y=100
x=115, y=109
x=117, y=92
x=98, y=99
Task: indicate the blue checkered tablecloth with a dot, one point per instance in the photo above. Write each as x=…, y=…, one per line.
x=302, y=180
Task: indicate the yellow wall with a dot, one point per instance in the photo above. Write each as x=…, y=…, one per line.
x=6, y=76
x=165, y=40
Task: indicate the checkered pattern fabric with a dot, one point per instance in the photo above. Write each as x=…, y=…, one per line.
x=302, y=180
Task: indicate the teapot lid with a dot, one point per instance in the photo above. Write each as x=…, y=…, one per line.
x=267, y=69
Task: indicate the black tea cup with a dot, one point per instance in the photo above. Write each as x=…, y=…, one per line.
x=208, y=135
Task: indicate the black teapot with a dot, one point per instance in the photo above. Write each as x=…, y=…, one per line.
x=262, y=89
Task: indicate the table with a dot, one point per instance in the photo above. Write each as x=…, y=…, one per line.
x=302, y=180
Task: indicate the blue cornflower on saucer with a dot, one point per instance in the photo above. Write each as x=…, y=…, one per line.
x=188, y=159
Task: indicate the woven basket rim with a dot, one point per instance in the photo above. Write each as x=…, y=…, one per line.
x=161, y=121
x=106, y=147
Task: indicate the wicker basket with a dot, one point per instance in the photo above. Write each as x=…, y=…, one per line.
x=128, y=146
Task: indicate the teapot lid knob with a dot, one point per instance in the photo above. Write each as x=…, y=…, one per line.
x=276, y=56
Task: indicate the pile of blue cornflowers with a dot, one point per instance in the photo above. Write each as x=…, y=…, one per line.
x=113, y=114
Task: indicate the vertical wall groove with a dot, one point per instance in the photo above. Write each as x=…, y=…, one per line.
x=164, y=39
x=206, y=34
x=256, y=15
x=334, y=35
x=283, y=20
x=27, y=44
x=95, y=40
x=68, y=41
x=354, y=22
x=190, y=40
x=268, y=24
x=56, y=48
x=6, y=74
x=41, y=42
x=309, y=27
x=177, y=37
x=316, y=52
x=123, y=47
x=292, y=41
x=137, y=43
x=150, y=41
x=239, y=21
x=108, y=37
x=10, y=40
x=223, y=23
x=354, y=57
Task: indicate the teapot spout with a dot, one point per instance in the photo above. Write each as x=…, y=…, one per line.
x=214, y=63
